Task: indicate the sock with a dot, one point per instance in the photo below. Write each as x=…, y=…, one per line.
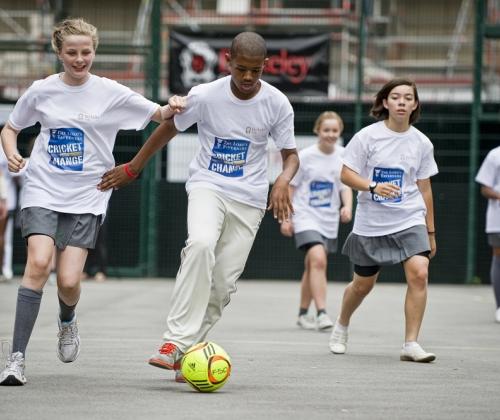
x=321, y=311
x=28, y=305
x=66, y=313
x=303, y=311
x=495, y=278
x=338, y=326
x=410, y=344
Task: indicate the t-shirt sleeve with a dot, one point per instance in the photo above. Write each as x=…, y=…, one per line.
x=133, y=110
x=355, y=155
x=282, y=131
x=488, y=171
x=428, y=166
x=24, y=113
x=192, y=114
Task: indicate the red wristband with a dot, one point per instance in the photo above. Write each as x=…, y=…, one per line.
x=129, y=172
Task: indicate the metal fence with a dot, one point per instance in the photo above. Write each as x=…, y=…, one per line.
x=368, y=43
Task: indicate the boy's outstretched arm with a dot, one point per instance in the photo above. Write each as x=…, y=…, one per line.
x=124, y=174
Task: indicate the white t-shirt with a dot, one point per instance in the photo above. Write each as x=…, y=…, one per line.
x=74, y=148
x=489, y=176
x=316, y=199
x=233, y=136
x=383, y=155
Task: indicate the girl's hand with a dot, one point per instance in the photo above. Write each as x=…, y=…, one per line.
x=387, y=190
x=16, y=162
x=345, y=214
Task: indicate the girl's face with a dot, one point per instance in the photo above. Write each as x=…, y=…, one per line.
x=401, y=103
x=329, y=132
x=77, y=54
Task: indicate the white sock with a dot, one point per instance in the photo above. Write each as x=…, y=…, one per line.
x=339, y=326
x=410, y=344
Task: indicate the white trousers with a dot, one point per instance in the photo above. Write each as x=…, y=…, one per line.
x=221, y=233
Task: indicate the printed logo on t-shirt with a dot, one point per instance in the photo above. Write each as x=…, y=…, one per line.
x=229, y=157
x=66, y=148
x=392, y=175
x=320, y=193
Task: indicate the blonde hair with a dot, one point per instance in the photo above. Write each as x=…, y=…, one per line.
x=328, y=115
x=75, y=26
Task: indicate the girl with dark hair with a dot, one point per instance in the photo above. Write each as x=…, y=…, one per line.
x=390, y=164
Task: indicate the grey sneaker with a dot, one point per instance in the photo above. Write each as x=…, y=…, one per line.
x=416, y=353
x=324, y=322
x=168, y=357
x=13, y=374
x=68, y=346
x=306, y=322
x=338, y=340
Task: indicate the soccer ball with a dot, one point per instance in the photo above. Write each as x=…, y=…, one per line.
x=206, y=366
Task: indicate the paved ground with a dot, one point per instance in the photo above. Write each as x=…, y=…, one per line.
x=279, y=371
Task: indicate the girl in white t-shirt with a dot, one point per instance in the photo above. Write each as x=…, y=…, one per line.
x=390, y=164
x=80, y=115
x=489, y=178
x=319, y=201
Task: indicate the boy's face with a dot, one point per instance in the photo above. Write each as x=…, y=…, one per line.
x=245, y=74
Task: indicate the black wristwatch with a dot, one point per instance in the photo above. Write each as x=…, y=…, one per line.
x=372, y=186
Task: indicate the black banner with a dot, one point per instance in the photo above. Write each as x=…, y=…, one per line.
x=297, y=65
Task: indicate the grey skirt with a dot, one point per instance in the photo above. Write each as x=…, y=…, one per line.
x=305, y=239
x=388, y=249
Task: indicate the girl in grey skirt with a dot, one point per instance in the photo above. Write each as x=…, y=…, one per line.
x=390, y=163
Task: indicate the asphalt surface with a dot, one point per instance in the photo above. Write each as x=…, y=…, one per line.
x=279, y=371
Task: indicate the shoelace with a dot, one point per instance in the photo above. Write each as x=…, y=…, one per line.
x=14, y=362
x=168, y=348
x=339, y=336
x=68, y=334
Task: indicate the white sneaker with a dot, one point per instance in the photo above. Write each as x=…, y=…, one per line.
x=306, y=322
x=338, y=339
x=68, y=346
x=415, y=353
x=324, y=322
x=497, y=315
x=13, y=374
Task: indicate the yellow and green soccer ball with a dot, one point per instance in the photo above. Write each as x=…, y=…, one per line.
x=206, y=366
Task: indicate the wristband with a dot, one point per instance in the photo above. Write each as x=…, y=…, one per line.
x=129, y=172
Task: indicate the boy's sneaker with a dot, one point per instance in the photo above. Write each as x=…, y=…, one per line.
x=306, y=322
x=68, y=346
x=167, y=357
x=324, y=322
x=13, y=374
x=338, y=339
x=415, y=353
